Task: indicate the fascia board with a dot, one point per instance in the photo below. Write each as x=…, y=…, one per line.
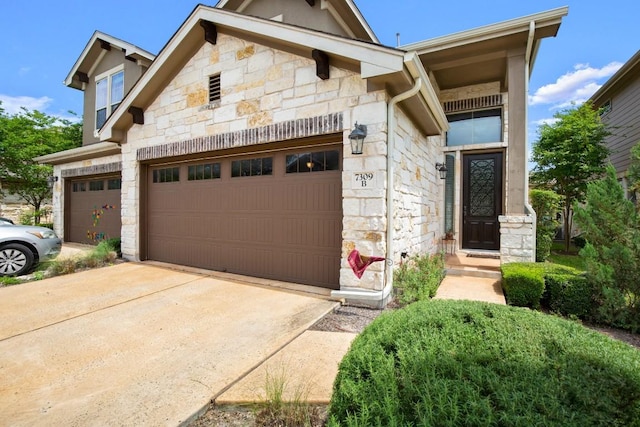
x=514, y=26
x=388, y=59
x=129, y=48
x=628, y=66
x=416, y=69
x=89, y=151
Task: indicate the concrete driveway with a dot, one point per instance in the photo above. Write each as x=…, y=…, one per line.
x=136, y=344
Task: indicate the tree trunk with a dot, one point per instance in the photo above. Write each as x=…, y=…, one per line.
x=36, y=213
x=567, y=227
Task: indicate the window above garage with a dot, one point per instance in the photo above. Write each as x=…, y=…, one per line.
x=313, y=162
x=252, y=167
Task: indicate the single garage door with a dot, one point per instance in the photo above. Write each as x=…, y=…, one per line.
x=92, y=211
x=275, y=215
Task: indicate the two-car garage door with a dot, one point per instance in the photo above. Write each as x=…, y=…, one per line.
x=275, y=215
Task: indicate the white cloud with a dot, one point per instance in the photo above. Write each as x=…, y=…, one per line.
x=548, y=121
x=12, y=104
x=574, y=87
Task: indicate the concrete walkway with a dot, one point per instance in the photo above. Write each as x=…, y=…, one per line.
x=472, y=278
x=135, y=344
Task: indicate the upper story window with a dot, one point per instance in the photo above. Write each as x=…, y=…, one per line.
x=606, y=107
x=475, y=127
x=109, y=93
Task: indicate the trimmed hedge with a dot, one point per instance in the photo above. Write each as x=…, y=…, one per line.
x=451, y=363
x=523, y=284
x=569, y=294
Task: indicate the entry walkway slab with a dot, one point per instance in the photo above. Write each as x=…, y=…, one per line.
x=154, y=356
x=307, y=368
x=471, y=288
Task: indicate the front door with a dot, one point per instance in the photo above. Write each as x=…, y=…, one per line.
x=482, y=201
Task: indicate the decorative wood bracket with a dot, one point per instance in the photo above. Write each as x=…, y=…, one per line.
x=137, y=114
x=322, y=63
x=105, y=45
x=83, y=77
x=311, y=2
x=210, y=31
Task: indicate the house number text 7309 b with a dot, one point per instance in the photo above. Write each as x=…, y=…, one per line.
x=364, y=180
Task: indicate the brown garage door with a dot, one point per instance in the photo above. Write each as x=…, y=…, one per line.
x=275, y=215
x=92, y=211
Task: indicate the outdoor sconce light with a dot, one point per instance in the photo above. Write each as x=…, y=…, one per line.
x=52, y=180
x=442, y=168
x=357, y=137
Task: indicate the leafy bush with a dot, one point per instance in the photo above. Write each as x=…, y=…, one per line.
x=466, y=363
x=611, y=226
x=523, y=283
x=115, y=244
x=419, y=278
x=579, y=241
x=546, y=203
x=569, y=294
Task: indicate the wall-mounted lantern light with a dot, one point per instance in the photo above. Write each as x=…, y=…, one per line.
x=357, y=137
x=52, y=180
x=442, y=169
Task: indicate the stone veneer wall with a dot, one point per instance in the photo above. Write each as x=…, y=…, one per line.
x=262, y=88
x=101, y=165
x=517, y=238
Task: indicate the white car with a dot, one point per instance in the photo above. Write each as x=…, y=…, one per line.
x=22, y=247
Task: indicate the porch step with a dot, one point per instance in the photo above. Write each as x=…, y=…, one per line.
x=473, y=272
x=471, y=288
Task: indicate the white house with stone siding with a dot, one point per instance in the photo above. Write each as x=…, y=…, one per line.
x=230, y=149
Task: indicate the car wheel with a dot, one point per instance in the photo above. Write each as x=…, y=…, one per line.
x=15, y=259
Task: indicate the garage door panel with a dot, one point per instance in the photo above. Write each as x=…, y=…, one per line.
x=280, y=226
x=93, y=210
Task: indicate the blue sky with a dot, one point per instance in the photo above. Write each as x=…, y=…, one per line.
x=41, y=39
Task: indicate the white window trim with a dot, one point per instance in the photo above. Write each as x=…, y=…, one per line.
x=97, y=78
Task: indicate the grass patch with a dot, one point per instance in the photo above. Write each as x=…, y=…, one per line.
x=568, y=260
x=279, y=411
x=102, y=255
x=468, y=363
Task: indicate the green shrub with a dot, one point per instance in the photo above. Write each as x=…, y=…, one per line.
x=579, y=241
x=569, y=295
x=462, y=363
x=115, y=244
x=611, y=226
x=546, y=203
x=419, y=278
x=523, y=284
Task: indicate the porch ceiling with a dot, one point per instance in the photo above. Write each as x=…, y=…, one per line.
x=480, y=55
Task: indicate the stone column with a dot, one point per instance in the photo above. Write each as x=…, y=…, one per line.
x=517, y=239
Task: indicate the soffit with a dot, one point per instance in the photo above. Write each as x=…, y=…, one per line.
x=343, y=52
x=345, y=12
x=93, y=51
x=480, y=55
x=86, y=152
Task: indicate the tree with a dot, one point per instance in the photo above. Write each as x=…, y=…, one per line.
x=545, y=203
x=569, y=154
x=633, y=173
x=30, y=134
x=611, y=226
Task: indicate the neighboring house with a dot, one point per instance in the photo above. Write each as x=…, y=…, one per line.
x=232, y=151
x=618, y=100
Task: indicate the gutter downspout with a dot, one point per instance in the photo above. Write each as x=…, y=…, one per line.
x=391, y=128
x=527, y=70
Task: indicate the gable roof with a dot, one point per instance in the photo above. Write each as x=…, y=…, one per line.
x=394, y=68
x=630, y=69
x=345, y=12
x=92, y=52
x=480, y=55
